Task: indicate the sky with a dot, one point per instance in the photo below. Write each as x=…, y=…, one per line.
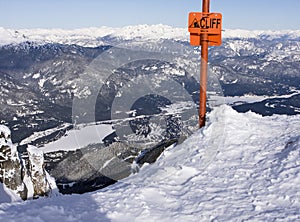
x=70, y=14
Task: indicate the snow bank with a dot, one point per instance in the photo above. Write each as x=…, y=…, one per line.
x=7, y=195
x=239, y=167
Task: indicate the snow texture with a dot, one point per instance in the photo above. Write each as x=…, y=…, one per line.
x=240, y=167
x=7, y=195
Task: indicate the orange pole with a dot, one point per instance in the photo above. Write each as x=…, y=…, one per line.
x=203, y=71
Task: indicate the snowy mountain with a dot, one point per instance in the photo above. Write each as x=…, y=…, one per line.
x=240, y=167
x=131, y=91
x=93, y=37
x=45, y=65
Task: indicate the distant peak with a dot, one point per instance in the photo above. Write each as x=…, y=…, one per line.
x=93, y=36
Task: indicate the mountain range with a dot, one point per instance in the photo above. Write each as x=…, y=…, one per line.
x=39, y=68
x=54, y=82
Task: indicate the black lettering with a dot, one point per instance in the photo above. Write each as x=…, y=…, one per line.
x=218, y=22
x=202, y=23
x=207, y=23
x=212, y=21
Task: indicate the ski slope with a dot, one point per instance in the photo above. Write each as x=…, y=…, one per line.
x=240, y=167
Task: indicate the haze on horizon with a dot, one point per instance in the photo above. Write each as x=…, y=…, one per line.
x=70, y=14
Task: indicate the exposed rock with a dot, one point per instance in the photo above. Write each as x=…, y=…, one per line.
x=37, y=172
x=11, y=172
x=97, y=166
x=90, y=168
x=150, y=155
x=26, y=178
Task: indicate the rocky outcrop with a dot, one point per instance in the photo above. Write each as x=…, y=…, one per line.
x=90, y=168
x=26, y=178
x=11, y=172
x=97, y=166
x=151, y=154
x=37, y=173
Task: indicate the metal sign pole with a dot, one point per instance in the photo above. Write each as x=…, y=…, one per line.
x=203, y=71
x=205, y=30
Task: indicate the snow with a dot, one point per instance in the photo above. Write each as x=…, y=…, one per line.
x=177, y=108
x=94, y=36
x=42, y=82
x=217, y=100
x=6, y=140
x=47, y=132
x=240, y=167
x=91, y=36
x=271, y=34
x=7, y=195
x=36, y=75
x=5, y=131
x=29, y=185
x=79, y=138
x=36, y=157
x=52, y=184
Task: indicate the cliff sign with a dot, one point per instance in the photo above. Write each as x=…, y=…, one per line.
x=209, y=24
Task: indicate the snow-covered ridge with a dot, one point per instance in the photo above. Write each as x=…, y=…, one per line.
x=271, y=34
x=91, y=36
x=94, y=36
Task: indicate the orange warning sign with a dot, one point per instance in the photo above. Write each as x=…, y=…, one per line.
x=205, y=23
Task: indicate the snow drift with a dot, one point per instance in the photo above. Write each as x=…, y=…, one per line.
x=239, y=167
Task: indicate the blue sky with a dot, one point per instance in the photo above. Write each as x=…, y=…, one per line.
x=69, y=14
